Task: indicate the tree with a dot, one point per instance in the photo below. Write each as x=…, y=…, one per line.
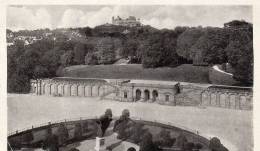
x=51, y=61
x=240, y=54
x=62, y=134
x=78, y=131
x=215, y=145
x=67, y=58
x=181, y=141
x=80, y=51
x=147, y=143
x=165, y=139
x=106, y=51
x=130, y=48
x=136, y=132
x=161, y=50
x=186, y=40
x=40, y=71
x=91, y=59
x=210, y=47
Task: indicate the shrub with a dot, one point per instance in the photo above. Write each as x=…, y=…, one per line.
x=165, y=139
x=198, y=146
x=215, y=145
x=62, y=134
x=189, y=146
x=136, y=132
x=147, y=143
x=78, y=131
x=181, y=140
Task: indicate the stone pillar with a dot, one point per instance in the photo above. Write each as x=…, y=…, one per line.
x=42, y=88
x=39, y=87
x=218, y=99
x=209, y=98
x=62, y=88
x=237, y=100
x=56, y=89
x=142, y=95
x=249, y=102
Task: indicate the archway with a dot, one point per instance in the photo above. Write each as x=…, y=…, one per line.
x=146, y=95
x=138, y=94
x=205, y=99
x=155, y=95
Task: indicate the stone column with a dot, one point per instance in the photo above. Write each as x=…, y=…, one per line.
x=218, y=99
x=62, y=88
x=209, y=98
x=142, y=95
x=249, y=102
x=56, y=88
x=237, y=100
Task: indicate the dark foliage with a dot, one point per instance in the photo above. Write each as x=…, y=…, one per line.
x=165, y=139
x=147, y=143
x=105, y=44
x=215, y=145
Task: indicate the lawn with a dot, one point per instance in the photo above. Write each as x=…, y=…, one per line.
x=233, y=127
x=184, y=73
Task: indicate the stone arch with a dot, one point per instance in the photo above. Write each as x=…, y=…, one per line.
x=60, y=90
x=88, y=90
x=155, y=95
x=243, y=102
x=227, y=100
x=51, y=89
x=205, y=98
x=95, y=89
x=146, y=95
x=101, y=90
x=81, y=90
x=67, y=88
x=131, y=149
x=167, y=96
x=48, y=89
x=213, y=99
x=138, y=94
x=43, y=88
x=222, y=100
x=54, y=89
x=232, y=101
x=74, y=90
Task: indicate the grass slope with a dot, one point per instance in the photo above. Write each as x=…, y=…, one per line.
x=184, y=73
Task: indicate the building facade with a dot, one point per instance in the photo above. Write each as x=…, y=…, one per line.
x=150, y=91
x=131, y=21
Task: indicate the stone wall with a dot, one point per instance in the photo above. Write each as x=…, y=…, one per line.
x=183, y=94
x=34, y=137
x=189, y=95
x=228, y=97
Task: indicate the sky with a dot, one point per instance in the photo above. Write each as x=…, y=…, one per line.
x=160, y=16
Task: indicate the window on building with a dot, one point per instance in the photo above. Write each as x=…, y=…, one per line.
x=167, y=97
x=125, y=94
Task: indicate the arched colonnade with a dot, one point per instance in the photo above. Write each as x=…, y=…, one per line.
x=227, y=99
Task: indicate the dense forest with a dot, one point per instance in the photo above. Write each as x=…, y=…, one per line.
x=105, y=44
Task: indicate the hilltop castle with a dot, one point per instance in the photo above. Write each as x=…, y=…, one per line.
x=131, y=21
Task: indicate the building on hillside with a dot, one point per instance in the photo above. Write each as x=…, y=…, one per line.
x=131, y=21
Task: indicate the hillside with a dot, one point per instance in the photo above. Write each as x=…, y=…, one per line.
x=185, y=72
